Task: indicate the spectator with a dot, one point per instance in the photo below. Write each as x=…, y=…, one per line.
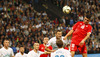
x=56, y=21
x=67, y=21
x=71, y=22
x=14, y=49
x=97, y=50
x=63, y=20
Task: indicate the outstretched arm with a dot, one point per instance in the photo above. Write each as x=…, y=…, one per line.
x=47, y=52
x=71, y=31
x=68, y=34
x=47, y=49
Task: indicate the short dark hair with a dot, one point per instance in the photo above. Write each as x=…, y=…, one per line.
x=57, y=31
x=5, y=39
x=59, y=43
x=88, y=16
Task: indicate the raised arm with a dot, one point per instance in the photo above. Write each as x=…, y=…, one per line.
x=68, y=34
x=71, y=31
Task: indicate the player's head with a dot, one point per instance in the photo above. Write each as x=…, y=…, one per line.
x=45, y=40
x=6, y=43
x=58, y=34
x=22, y=49
x=87, y=19
x=59, y=43
x=36, y=46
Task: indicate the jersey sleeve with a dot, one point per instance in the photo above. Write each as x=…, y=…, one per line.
x=50, y=47
x=89, y=30
x=75, y=26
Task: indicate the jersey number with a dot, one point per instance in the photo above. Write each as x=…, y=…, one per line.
x=83, y=26
x=60, y=56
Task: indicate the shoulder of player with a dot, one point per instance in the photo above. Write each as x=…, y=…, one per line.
x=32, y=51
x=90, y=26
x=53, y=38
x=4, y=48
x=41, y=45
x=80, y=22
x=25, y=54
x=50, y=47
x=10, y=48
x=18, y=53
x=1, y=48
x=67, y=51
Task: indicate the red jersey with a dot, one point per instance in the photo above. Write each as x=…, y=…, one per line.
x=66, y=48
x=80, y=31
x=42, y=48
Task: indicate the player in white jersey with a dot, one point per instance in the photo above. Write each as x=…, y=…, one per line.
x=52, y=41
x=61, y=52
x=21, y=53
x=35, y=52
x=6, y=51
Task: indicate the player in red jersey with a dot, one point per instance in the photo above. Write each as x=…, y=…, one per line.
x=80, y=32
x=42, y=47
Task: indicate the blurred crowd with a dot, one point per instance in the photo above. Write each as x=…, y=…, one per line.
x=24, y=26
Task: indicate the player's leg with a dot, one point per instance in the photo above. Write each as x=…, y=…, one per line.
x=84, y=54
x=83, y=50
x=73, y=48
x=72, y=53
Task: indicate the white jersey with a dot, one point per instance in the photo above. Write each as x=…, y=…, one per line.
x=34, y=54
x=6, y=52
x=52, y=42
x=20, y=55
x=61, y=53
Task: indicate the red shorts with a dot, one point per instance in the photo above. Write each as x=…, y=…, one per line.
x=82, y=49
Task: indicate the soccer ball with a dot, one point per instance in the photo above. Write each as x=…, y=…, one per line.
x=66, y=9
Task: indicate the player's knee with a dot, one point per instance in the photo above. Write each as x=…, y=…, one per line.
x=84, y=54
x=72, y=53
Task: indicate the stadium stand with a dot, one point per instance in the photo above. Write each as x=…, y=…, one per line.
x=24, y=25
